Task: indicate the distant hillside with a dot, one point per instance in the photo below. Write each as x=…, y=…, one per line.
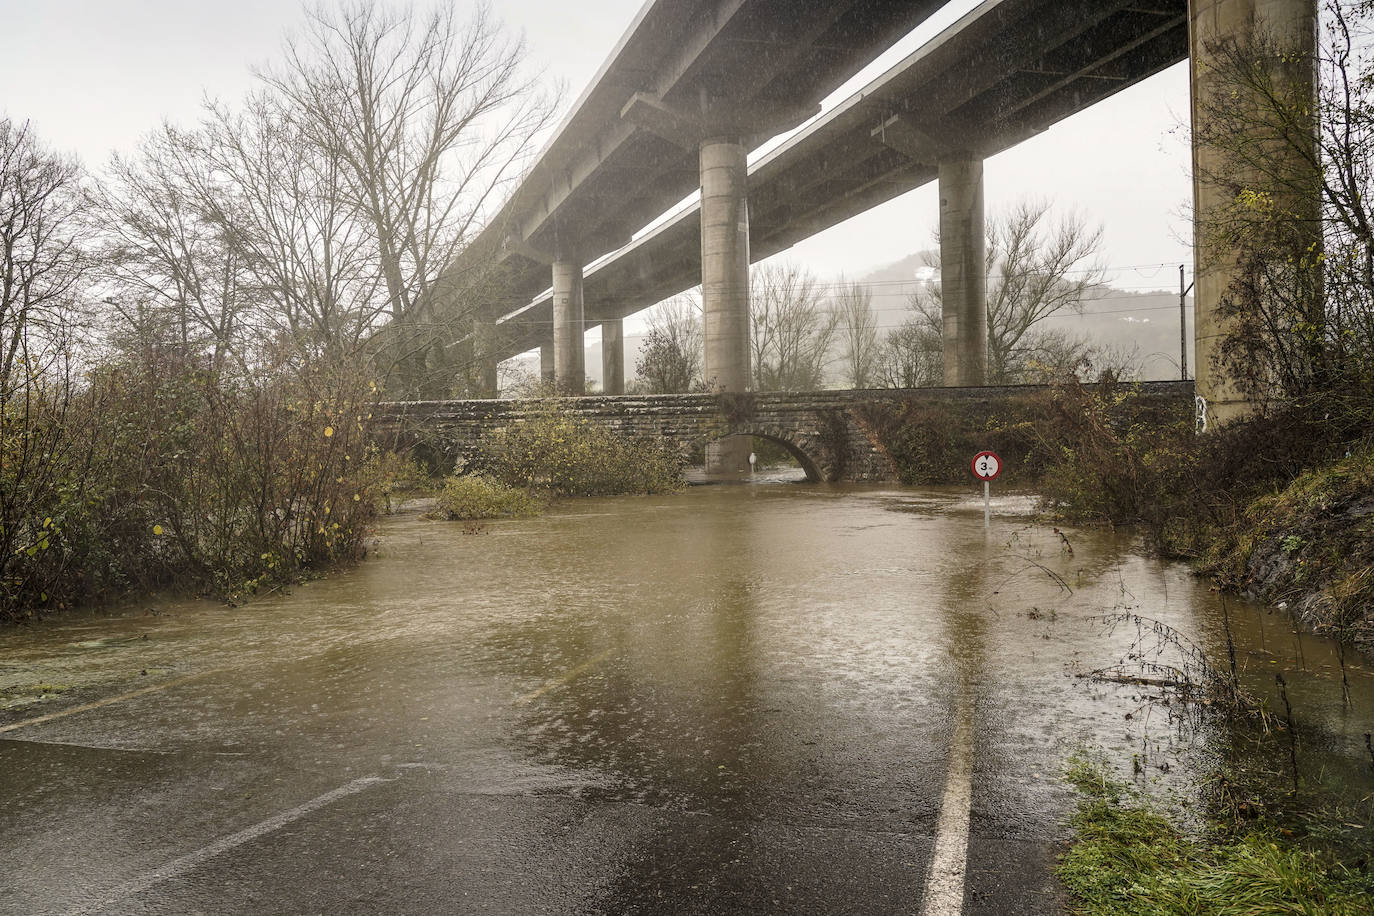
x=1145, y=324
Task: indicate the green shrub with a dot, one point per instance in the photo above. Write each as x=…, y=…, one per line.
x=158, y=472
x=1105, y=457
x=569, y=456
x=474, y=496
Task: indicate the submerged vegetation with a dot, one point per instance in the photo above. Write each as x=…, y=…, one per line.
x=156, y=473
x=565, y=455
x=556, y=454
x=1276, y=506
x=476, y=496
x=1274, y=814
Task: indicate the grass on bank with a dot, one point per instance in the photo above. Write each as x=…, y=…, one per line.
x=1312, y=539
x=1127, y=859
x=1278, y=505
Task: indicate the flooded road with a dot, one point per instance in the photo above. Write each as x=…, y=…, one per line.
x=737, y=699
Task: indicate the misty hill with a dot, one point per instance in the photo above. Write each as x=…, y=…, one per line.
x=1125, y=322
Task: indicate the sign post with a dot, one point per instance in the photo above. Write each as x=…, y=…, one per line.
x=986, y=466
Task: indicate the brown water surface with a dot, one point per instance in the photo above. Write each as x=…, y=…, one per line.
x=786, y=661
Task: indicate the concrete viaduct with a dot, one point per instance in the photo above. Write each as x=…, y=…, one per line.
x=695, y=85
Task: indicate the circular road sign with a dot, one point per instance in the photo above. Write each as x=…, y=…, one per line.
x=986, y=466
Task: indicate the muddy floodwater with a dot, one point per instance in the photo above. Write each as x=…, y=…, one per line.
x=772, y=698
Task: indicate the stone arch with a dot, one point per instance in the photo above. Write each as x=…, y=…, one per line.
x=806, y=452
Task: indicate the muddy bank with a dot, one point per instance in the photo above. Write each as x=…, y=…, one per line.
x=1309, y=548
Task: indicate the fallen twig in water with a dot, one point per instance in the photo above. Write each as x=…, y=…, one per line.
x=1031, y=564
x=1194, y=676
x=1112, y=677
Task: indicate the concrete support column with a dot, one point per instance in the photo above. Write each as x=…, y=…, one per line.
x=963, y=271
x=484, y=352
x=613, y=356
x=1291, y=25
x=725, y=263
x=462, y=354
x=725, y=286
x=546, y=374
x=569, y=347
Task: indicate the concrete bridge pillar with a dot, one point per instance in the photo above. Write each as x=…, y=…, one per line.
x=1292, y=27
x=484, y=349
x=546, y=373
x=725, y=262
x=963, y=271
x=569, y=347
x=725, y=284
x=613, y=356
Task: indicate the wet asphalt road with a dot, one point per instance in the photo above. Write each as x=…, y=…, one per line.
x=734, y=700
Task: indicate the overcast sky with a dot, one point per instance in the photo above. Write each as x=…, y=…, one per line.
x=94, y=75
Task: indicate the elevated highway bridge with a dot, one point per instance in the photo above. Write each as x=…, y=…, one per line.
x=891, y=137
x=696, y=85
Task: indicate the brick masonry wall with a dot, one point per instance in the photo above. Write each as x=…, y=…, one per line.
x=819, y=428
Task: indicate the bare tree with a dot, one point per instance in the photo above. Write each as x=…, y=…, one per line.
x=41, y=263
x=790, y=332
x=1056, y=354
x=911, y=357
x=670, y=358
x=428, y=120
x=41, y=269
x=1035, y=269
x=335, y=199
x=239, y=232
x=171, y=277
x=858, y=329
x=283, y=202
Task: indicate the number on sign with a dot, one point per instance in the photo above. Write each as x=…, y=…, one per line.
x=986, y=466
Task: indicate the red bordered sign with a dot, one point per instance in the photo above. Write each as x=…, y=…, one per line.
x=986, y=465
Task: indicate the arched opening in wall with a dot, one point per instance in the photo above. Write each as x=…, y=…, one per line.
x=776, y=461
x=782, y=461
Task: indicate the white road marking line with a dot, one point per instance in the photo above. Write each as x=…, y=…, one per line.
x=945, y=886
x=89, y=747
x=192, y=860
x=63, y=713
x=568, y=677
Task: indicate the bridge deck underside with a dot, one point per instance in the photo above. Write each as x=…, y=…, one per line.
x=1005, y=73
x=602, y=179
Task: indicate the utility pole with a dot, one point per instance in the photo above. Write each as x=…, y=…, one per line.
x=1183, y=324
